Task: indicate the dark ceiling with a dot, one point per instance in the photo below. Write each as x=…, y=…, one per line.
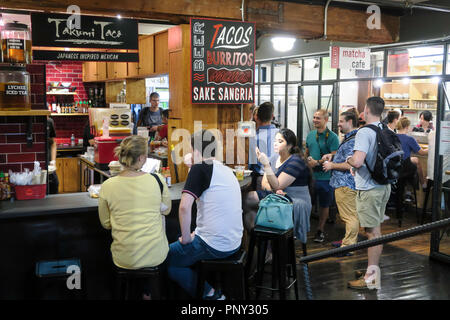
x=397, y=7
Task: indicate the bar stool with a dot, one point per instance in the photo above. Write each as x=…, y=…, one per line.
x=51, y=279
x=126, y=280
x=283, y=252
x=231, y=267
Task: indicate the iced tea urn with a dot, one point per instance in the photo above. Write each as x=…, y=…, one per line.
x=16, y=43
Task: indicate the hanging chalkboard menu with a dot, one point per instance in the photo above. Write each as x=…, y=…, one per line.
x=222, y=61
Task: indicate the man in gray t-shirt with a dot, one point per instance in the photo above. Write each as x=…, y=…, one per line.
x=371, y=198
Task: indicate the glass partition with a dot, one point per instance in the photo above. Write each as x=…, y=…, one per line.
x=279, y=103
x=266, y=70
x=328, y=73
x=415, y=61
x=279, y=71
x=310, y=105
x=264, y=94
x=326, y=102
x=295, y=70
x=292, y=117
x=311, y=66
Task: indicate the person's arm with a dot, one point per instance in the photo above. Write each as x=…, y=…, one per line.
x=265, y=184
x=423, y=152
x=327, y=166
x=166, y=199
x=103, y=212
x=284, y=180
x=53, y=150
x=357, y=160
x=184, y=214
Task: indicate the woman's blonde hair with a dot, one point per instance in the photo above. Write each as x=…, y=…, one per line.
x=403, y=123
x=130, y=149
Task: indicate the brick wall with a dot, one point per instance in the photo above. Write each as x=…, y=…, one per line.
x=14, y=153
x=37, y=85
x=67, y=71
x=66, y=125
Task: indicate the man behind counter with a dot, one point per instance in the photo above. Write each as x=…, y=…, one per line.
x=53, y=182
x=151, y=117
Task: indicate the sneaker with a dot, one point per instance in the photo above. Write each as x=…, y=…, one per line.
x=320, y=236
x=336, y=244
x=216, y=296
x=358, y=284
x=359, y=273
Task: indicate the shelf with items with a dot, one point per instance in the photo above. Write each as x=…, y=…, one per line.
x=24, y=113
x=61, y=93
x=69, y=114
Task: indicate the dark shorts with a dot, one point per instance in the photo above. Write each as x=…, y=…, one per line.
x=324, y=192
x=262, y=194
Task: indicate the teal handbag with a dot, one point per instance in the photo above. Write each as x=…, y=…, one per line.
x=275, y=211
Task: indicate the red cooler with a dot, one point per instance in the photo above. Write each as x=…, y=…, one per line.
x=104, y=151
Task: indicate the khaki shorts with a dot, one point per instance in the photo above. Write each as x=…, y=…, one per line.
x=371, y=205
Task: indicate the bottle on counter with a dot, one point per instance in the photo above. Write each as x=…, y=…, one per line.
x=58, y=108
x=8, y=187
x=167, y=176
x=72, y=140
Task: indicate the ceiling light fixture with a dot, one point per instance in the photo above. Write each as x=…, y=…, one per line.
x=378, y=83
x=283, y=44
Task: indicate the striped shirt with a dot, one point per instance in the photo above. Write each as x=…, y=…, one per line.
x=295, y=167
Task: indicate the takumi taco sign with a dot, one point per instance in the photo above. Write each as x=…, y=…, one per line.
x=222, y=61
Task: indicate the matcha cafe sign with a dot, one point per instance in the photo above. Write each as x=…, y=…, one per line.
x=51, y=30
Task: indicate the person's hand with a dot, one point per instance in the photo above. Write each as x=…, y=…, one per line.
x=327, y=166
x=188, y=240
x=281, y=192
x=327, y=157
x=262, y=158
x=153, y=128
x=311, y=162
x=352, y=171
x=188, y=160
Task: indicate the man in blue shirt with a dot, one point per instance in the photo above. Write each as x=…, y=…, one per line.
x=264, y=140
x=320, y=142
x=342, y=180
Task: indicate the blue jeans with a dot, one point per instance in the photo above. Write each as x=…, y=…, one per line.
x=182, y=256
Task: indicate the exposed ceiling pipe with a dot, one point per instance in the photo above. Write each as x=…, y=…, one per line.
x=403, y=5
x=325, y=25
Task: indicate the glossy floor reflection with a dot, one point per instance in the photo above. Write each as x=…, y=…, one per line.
x=407, y=273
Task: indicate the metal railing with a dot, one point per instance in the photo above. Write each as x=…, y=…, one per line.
x=366, y=244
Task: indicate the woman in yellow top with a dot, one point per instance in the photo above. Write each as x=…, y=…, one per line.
x=130, y=205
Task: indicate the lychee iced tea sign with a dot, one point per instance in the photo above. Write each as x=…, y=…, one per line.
x=222, y=61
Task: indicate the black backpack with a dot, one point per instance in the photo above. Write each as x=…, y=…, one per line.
x=389, y=155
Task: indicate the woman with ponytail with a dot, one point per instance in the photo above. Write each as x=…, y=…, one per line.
x=289, y=174
x=131, y=204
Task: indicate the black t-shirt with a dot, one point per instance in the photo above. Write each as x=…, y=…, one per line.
x=51, y=134
x=87, y=135
x=199, y=179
